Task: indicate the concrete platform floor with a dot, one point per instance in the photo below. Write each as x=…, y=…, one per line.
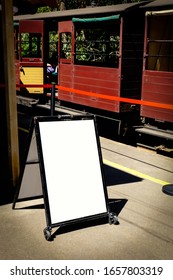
x=134, y=179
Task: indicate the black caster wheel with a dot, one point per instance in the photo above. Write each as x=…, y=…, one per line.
x=113, y=219
x=47, y=234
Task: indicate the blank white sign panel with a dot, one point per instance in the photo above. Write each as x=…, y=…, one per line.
x=72, y=169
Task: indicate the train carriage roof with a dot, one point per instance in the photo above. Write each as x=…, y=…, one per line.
x=89, y=11
x=158, y=5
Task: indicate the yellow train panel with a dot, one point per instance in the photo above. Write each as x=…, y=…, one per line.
x=32, y=76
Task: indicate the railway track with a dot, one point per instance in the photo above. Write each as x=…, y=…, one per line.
x=153, y=140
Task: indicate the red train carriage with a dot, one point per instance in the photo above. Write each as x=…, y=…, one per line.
x=157, y=82
x=100, y=51
x=104, y=56
x=112, y=61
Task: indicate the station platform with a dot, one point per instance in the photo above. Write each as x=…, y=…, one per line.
x=134, y=178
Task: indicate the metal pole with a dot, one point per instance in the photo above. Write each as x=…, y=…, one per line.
x=53, y=99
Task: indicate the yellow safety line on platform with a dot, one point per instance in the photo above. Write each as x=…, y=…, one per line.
x=134, y=172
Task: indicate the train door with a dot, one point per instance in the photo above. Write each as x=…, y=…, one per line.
x=31, y=56
x=66, y=57
x=157, y=83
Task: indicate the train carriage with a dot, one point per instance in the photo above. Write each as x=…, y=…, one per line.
x=99, y=51
x=114, y=61
x=105, y=58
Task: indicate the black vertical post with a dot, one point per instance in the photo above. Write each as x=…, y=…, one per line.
x=53, y=99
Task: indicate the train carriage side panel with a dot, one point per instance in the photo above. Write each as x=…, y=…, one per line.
x=100, y=80
x=32, y=75
x=65, y=43
x=157, y=83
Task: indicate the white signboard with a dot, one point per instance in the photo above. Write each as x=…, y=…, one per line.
x=71, y=167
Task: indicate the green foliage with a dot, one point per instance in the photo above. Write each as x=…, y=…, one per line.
x=49, y=9
x=75, y=4
x=96, y=45
x=31, y=44
x=44, y=9
x=66, y=45
x=53, y=41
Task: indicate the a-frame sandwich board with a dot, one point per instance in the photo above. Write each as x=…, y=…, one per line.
x=71, y=170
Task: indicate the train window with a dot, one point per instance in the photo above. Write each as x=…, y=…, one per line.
x=65, y=45
x=53, y=43
x=31, y=45
x=160, y=57
x=97, y=47
x=159, y=53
